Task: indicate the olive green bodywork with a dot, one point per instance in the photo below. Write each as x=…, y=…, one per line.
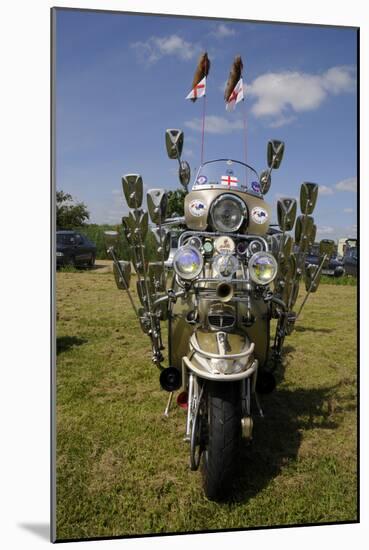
x=181, y=329
x=207, y=196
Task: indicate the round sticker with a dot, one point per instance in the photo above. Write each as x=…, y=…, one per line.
x=197, y=207
x=259, y=215
x=224, y=245
x=201, y=180
x=256, y=187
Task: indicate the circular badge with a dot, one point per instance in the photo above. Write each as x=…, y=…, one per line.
x=255, y=186
x=259, y=215
x=201, y=180
x=197, y=207
x=224, y=245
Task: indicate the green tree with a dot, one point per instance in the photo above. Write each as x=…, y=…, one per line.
x=70, y=214
x=176, y=203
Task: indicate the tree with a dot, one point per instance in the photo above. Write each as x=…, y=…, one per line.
x=176, y=203
x=70, y=214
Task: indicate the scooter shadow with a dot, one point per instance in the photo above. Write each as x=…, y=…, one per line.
x=277, y=436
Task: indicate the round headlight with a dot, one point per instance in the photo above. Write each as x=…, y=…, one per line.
x=263, y=268
x=225, y=265
x=188, y=262
x=227, y=213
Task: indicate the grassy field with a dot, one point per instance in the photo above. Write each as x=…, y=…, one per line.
x=122, y=468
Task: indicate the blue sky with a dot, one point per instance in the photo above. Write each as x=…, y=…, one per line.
x=121, y=81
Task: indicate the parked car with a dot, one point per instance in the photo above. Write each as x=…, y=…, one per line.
x=335, y=265
x=73, y=248
x=350, y=261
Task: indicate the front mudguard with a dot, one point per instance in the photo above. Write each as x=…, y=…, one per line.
x=203, y=358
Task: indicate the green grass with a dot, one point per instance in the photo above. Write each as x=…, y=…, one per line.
x=122, y=468
x=345, y=280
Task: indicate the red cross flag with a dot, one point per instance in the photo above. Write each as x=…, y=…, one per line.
x=236, y=96
x=231, y=181
x=199, y=90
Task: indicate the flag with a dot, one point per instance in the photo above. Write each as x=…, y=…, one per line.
x=198, y=91
x=231, y=181
x=235, y=96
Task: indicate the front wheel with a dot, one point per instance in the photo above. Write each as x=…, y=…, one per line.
x=224, y=434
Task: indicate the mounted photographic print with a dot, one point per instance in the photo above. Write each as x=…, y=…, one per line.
x=205, y=254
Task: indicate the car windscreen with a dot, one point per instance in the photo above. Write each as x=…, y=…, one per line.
x=65, y=239
x=227, y=174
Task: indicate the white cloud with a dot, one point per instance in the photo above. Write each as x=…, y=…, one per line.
x=279, y=95
x=348, y=210
x=349, y=184
x=223, y=31
x=325, y=230
x=325, y=190
x=281, y=121
x=215, y=124
x=157, y=47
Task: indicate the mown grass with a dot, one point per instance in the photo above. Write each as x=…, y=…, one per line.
x=345, y=280
x=122, y=468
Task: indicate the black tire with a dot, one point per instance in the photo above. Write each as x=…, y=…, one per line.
x=91, y=262
x=71, y=261
x=224, y=434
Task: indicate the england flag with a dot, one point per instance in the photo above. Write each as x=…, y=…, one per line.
x=236, y=96
x=198, y=91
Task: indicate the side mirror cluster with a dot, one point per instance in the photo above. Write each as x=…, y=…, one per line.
x=174, y=144
x=275, y=152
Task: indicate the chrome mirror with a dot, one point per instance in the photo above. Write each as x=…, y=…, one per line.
x=174, y=143
x=275, y=153
x=133, y=190
x=157, y=202
x=286, y=213
x=286, y=247
x=303, y=230
x=141, y=220
x=184, y=173
x=161, y=241
x=265, y=181
x=309, y=276
x=124, y=271
x=129, y=227
x=312, y=235
x=110, y=238
x=156, y=277
x=326, y=247
x=308, y=197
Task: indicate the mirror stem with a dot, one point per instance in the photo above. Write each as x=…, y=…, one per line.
x=117, y=264
x=312, y=285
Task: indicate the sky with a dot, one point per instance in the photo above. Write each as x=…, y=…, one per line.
x=122, y=79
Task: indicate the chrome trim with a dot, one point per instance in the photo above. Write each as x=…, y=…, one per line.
x=220, y=377
x=215, y=234
x=209, y=355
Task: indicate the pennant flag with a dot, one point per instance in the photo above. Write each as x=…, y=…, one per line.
x=236, y=96
x=199, y=90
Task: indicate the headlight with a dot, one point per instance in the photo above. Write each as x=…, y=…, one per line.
x=225, y=265
x=59, y=254
x=263, y=268
x=188, y=262
x=227, y=213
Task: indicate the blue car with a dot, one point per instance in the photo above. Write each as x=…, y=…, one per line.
x=334, y=268
x=73, y=248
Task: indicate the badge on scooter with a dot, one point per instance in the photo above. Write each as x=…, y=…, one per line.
x=259, y=215
x=255, y=186
x=197, y=207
